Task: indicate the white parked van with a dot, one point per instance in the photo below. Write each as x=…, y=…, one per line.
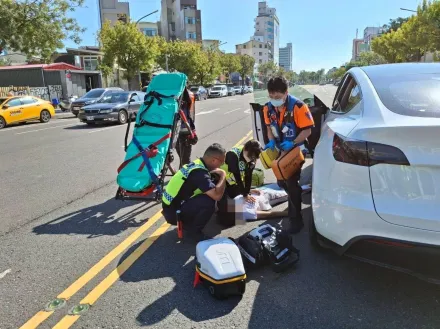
x=218, y=91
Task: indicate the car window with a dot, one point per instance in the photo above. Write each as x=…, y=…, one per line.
x=28, y=100
x=14, y=102
x=339, y=93
x=94, y=93
x=135, y=97
x=349, y=96
x=415, y=95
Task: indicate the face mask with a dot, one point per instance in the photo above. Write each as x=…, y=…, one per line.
x=277, y=102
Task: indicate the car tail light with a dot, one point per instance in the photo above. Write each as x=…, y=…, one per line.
x=367, y=154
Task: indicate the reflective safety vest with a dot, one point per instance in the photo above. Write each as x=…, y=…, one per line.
x=175, y=184
x=286, y=127
x=230, y=179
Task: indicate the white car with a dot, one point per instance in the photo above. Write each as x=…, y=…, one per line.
x=237, y=89
x=218, y=91
x=250, y=89
x=376, y=168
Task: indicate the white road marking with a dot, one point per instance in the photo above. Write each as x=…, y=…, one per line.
x=232, y=99
x=3, y=274
x=33, y=131
x=261, y=98
x=32, y=125
x=98, y=130
x=207, y=112
x=233, y=110
x=247, y=111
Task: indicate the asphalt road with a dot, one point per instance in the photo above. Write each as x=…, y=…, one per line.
x=63, y=234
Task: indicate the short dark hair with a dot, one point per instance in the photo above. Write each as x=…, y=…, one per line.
x=253, y=147
x=214, y=150
x=277, y=84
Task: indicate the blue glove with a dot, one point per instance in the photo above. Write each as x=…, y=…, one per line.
x=287, y=145
x=270, y=145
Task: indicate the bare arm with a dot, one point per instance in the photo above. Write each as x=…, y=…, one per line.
x=269, y=133
x=217, y=192
x=303, y=135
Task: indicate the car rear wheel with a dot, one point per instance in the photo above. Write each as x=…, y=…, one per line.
x=2, y=123
x=122, y=117
x=44, y=116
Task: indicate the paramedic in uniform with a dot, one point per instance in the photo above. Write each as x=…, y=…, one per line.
x=239, y=166
x=194, y=190
x=292, y=127
x=185, y=142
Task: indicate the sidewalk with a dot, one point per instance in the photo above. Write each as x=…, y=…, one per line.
x=63, y=115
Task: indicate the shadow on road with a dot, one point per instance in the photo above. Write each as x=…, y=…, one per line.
x=108, y=218
x=81, y=126
x=322, y=291
x=170, y=260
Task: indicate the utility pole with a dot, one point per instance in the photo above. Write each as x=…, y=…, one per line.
x=166, y=62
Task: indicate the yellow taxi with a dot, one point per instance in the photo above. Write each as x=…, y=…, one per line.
x=16, y=109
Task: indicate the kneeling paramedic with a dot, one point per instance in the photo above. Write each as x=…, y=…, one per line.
x=239, y=166
x=289, y=123
x=192, y=191
x=185, y=141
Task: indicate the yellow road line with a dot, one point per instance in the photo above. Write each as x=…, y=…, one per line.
x=68, y=320
x=41, y=316
x=114, y=276
x=243, y=139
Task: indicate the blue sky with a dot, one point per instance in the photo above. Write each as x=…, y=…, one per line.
x=321, y=31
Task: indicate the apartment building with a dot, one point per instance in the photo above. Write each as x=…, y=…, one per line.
x=180, y=19
x=150, y=29
x=113, y=11
x=267, y=29
x=286, y=57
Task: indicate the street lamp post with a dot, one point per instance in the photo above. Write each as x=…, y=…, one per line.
x=140, y=78
x=414, y=11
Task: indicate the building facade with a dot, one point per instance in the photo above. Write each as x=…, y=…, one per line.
x=370, y=33
x=180, y=19
x=267, y=29
x=259, y=50
x=286, y=57
x=150, y=29
x=211, y=44
x=113, y=11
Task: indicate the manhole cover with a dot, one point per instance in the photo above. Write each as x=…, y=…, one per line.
x=55, y=304
x=79, y=309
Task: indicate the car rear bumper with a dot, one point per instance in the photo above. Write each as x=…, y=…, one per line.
x=92, y=117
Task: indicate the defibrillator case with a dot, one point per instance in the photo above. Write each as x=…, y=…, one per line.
x=287, y=164
x=220, y=267
x=267, y=156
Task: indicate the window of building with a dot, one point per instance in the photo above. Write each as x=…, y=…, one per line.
x=265, y=46
x=190, y=20
x=270, y=23
x=261, y=46
x=149, y=31
x=260, y=61
x=90, y=63
x=244, y=46
x=191, y=35
x=269, y=29
x=260, y=53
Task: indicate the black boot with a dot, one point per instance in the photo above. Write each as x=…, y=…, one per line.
x=296, y=225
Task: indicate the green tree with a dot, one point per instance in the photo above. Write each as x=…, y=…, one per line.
x=38, y=27
x=183, y=56
x=246, y=66
x=230, y=63
x=208, y=65
x=371, y=58
x=131, y=49
x=394, y=24
x=266, y=70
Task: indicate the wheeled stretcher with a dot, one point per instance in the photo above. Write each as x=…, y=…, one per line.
x=149, y=154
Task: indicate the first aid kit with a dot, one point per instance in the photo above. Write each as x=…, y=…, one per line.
x=287, y=164
x=266, y=245
x=220, y=267
x=267, y=156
